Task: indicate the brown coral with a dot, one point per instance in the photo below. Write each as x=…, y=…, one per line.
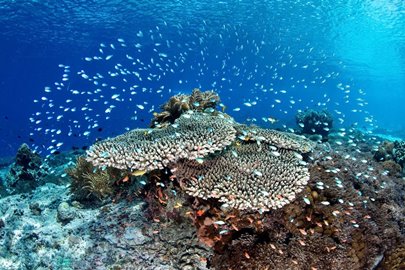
x=89, y=183
x=395, y=260
x=198, y=101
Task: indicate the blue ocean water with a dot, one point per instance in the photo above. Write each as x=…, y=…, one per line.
x=75, y=71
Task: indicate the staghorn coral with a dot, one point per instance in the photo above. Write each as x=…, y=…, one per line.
x=399, y=152
x=198, y=101
x=246, y=177
x=315, y=122
x=192, y=136
x=90, y=183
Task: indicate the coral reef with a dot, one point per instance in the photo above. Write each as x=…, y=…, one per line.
x=204, y=192
x=315, y=122
x=349, y=213
x=114, y=236
x=198, y=101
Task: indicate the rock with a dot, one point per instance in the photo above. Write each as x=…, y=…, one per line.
x=133, y=235
x=35, y=209
x=66, y=213
x=315, y=122
x=25, y=172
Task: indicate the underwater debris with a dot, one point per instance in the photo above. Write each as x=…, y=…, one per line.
x=315, y=122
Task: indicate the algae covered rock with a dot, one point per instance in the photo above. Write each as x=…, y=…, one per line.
x=25, y=172
x=399, y=152
x=315, y=122
x=65, y=212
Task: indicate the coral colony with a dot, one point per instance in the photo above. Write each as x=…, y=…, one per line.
x=250, y=192
x=254, y=198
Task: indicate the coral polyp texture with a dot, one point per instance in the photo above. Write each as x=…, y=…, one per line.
x=246, y=177
x=192, y=136
x=198, y=101
x=277, y=138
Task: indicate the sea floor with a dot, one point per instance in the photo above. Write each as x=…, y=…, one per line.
x=353, y=218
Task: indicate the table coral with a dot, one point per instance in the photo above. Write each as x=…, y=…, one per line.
x=192, y=136
x=246, y=177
